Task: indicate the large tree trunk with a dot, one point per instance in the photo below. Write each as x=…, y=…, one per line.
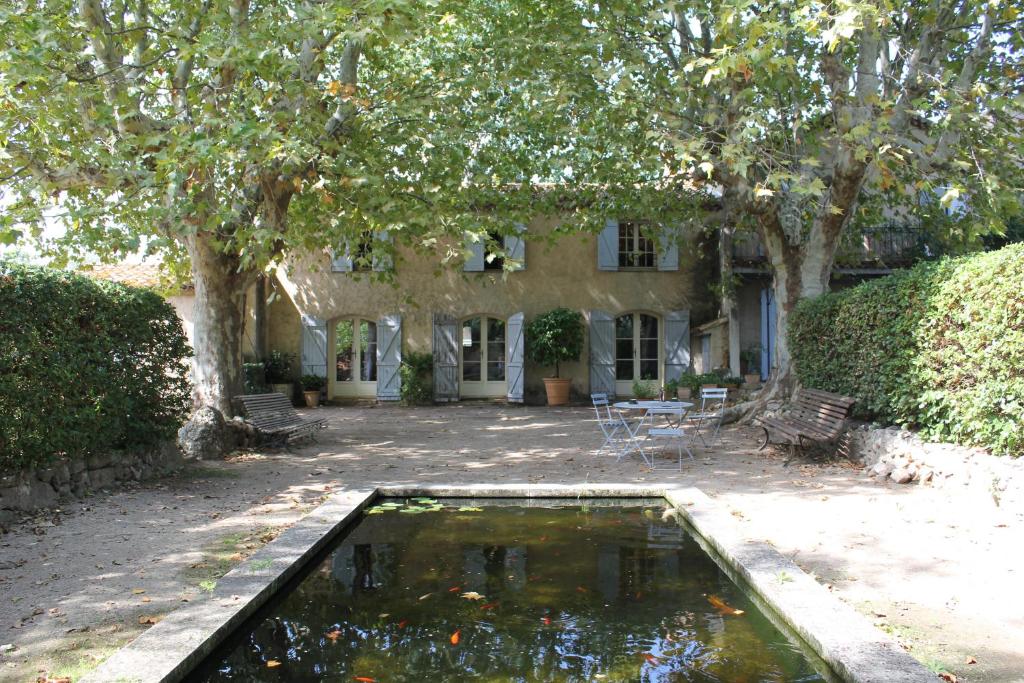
x=219, y=291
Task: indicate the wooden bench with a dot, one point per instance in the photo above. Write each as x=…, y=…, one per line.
x=274, y=415
x=814, y=416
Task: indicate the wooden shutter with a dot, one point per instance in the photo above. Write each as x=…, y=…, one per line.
x=602, y=353
x=608, y=246
x=514, y=366
x=446, y=358
x=668, y=248
x=379, y=252
x=389, y=358
x=677, y=344
x=314, y=346
x=475, y=260
x=515, y=247
x=341, y=260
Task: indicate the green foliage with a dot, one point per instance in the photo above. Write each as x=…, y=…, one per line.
x=710, y=378
x=417, y=374
x=939, y=347
x=643, y=390
x=85, y=366
x=690, y=381
x=277, y=367
x=312, y=382
x=554, y=337
x=751, y=359
x=670, y=387
x=254, y=378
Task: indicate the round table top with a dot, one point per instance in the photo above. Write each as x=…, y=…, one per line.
x=648, y=405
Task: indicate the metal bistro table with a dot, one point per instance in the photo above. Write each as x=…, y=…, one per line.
x=674, y=412
x=652, y=408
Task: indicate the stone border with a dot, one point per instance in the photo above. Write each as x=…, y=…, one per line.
x=833, y=630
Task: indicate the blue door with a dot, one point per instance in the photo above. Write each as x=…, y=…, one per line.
x=767, y=331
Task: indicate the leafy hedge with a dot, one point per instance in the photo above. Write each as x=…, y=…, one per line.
x=939, y=348
x=85, y=366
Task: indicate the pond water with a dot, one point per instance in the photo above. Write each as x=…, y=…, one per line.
x=422, y=590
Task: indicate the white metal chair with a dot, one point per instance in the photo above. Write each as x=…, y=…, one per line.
x=619, y=438
x=712, y=410
x=677, y=434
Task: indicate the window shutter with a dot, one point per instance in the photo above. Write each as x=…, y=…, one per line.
x=475, y=261
x=677, y=344
x=341, y=261
x=515, y=247
x=446, y=358
x=314, y=346
x=608, y=246
x=379, y=253
x=514, y=366
x=668, y=249
x=602, y=353
x=389, y=358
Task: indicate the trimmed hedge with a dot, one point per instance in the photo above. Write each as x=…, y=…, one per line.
x=86, y=366
x=938, y=348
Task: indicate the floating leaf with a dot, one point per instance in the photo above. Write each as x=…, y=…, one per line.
x=273, y=663
x=424, y=597
x=470, y=509
x=472, y=595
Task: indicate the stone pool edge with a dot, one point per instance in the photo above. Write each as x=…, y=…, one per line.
x=841, y=637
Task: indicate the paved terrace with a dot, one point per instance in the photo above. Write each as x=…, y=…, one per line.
x=936, y=568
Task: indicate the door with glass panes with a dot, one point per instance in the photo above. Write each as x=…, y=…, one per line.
x=355, y=358
x=482, y=356
x=637, y=352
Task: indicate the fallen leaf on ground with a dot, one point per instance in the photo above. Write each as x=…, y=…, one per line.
x=138, y=591
x=972, y=660
x=146, y=619
x=948, y=677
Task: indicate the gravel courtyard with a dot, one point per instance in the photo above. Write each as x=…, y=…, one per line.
x=937, y=568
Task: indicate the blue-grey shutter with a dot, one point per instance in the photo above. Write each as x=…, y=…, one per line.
x=475, y=260
x=668, y=248
x=314, y=346
x=380, y=256
x=677, y=344
x=389, y=358
x=341, y=260
x=515, y=247
x=602, y=353
x=446, y=358
x=514, y=366
x=608, y=246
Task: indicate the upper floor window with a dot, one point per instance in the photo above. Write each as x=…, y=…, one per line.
x=635, y=249
x=494, y=260
x=362, y=255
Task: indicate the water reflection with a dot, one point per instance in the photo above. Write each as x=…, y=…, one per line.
x=512, y=594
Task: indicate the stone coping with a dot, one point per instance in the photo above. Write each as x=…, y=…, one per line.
x=834, y=631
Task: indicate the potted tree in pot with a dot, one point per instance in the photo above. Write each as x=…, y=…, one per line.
x=751, y=359
x=551, y=339
x=311, y=386
x=689, y=386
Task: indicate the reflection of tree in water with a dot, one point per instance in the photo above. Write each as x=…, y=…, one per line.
x=393, y=613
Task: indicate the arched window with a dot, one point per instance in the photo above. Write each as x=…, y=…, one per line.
x=637, y=350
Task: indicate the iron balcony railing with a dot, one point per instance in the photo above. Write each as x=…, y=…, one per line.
x=881, y=246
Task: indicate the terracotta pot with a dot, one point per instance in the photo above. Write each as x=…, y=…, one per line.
x=708, y=386
x=684, y=393
x=557, y=389
x=312, y=398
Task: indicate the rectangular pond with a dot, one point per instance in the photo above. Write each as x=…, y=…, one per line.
x=503, y=590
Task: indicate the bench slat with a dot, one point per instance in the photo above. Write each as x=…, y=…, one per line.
x=814, y=414
x=274, y=414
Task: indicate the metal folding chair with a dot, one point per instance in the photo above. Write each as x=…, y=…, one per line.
x=619, y=438
x=712, y=410
x=678, y=434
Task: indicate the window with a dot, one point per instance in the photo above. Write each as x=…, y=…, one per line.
x=355, y=350
x=362, y=255
x=635, y=249
x=636, y=347
x=493, y=261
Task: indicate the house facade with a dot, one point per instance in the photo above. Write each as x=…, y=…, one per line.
x=637, y=295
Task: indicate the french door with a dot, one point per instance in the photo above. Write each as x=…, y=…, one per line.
x=355, y=357
x=637, y=352
x=482, y=358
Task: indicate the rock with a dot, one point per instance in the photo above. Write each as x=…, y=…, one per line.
x=99, y=461
x=881, y=469
x=205, y=436
x=901, y=475
x=243, y=434
x=103, y=477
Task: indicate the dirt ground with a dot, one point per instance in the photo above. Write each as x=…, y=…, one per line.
x=937, y=568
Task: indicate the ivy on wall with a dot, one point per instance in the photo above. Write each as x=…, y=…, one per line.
x=938, y=348
x=85, y=366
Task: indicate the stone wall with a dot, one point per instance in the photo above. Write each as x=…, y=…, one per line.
x=38, y=488
x=901, y=456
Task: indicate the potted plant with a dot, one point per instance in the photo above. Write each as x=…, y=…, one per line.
x=709, y=380
x=277, y=370
x=751, y=359
x=689, y=386
x=553, y=338
x=311, y=387
x=643, y=390
x=670, y=389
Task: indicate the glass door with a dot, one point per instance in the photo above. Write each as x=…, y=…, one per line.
x=482, y=358
x=637, y=352
x=355, y=358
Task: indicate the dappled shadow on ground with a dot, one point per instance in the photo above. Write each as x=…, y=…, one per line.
x=877, y=545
